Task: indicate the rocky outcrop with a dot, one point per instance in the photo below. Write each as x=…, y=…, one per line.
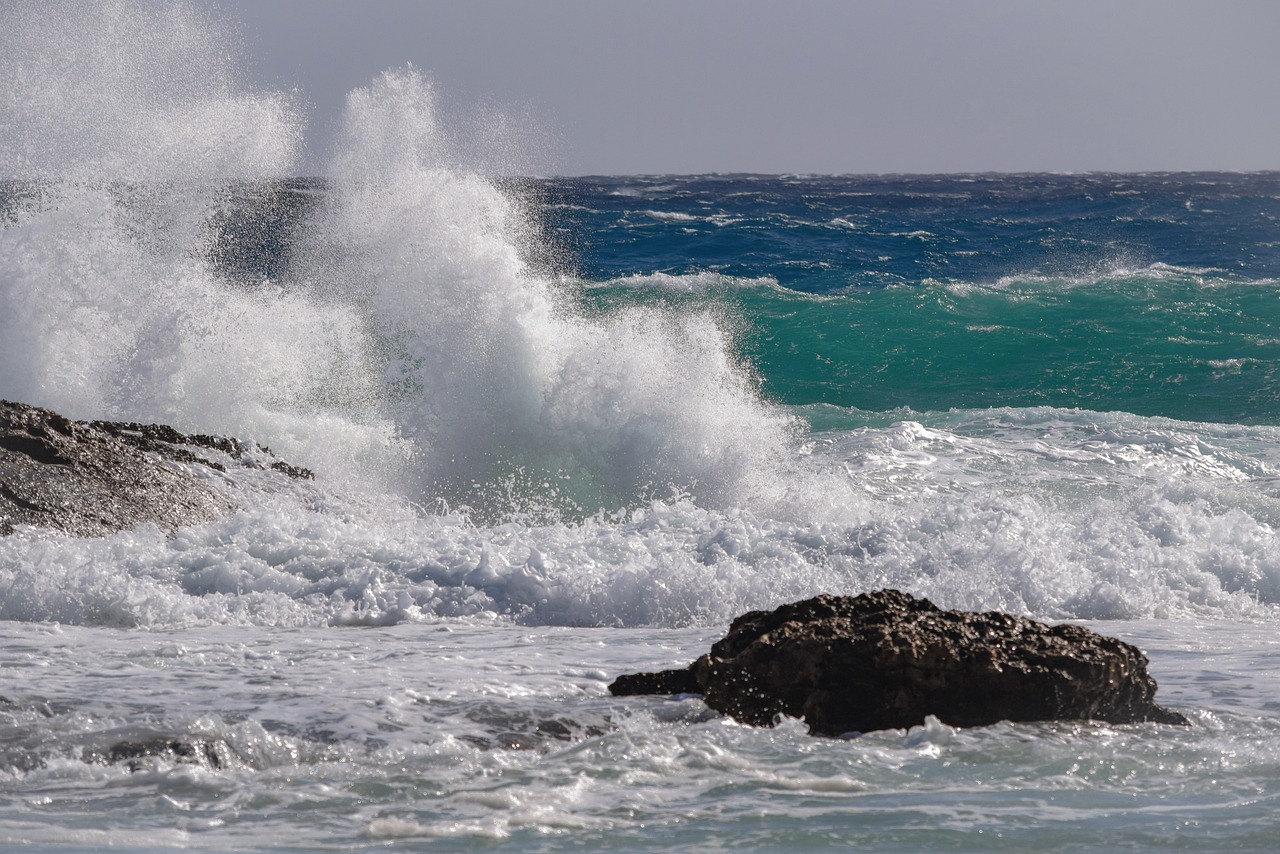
x=885, y=660
x=93, y=478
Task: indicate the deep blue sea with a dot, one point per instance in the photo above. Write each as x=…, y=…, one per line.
x=567, y=428
x=1153, y=294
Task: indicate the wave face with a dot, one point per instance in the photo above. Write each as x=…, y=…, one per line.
x=622, y=401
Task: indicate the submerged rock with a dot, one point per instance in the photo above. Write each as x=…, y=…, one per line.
x=886, y=660
x=180, y=751
x=94, y=478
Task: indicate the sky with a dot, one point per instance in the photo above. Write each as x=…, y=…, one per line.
x=808, y=86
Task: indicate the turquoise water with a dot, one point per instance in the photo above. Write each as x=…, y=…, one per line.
x=1150, y=294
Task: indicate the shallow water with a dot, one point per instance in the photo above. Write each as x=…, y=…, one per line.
x=463, y=736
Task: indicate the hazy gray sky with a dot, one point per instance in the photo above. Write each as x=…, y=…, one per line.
x=814, y=85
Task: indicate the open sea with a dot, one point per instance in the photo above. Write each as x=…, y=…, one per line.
x=567, y=428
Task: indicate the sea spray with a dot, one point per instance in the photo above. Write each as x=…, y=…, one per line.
x=136, y=136
x=512, y=399
x=409, y=343
x=139, y=92
x=558, y=453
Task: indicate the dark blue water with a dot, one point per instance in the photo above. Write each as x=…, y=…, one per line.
x=818, y=234
x=1156, y=294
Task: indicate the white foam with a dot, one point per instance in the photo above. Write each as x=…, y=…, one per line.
x=502, y=389
x=691, y=283
x=616, y=470
x=1050, y=516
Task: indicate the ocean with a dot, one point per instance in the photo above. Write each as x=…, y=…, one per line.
x=565, y=428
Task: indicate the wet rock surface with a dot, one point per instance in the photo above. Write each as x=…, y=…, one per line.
x=207, y=753
x=886, y=660
x=93, y=478
x=504, y=730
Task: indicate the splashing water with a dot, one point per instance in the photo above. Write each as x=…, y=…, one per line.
x=409, y=344
x=488, y=371
x=618, y=460
x=138, y=92
x=111, y=309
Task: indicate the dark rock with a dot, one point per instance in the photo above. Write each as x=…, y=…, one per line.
x=176, y=750
x=93, y=478
x=885, y=660
x=663, y=682
x=503, y=728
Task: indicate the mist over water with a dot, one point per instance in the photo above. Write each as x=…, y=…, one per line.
x=138, y=92
x=131, y=134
